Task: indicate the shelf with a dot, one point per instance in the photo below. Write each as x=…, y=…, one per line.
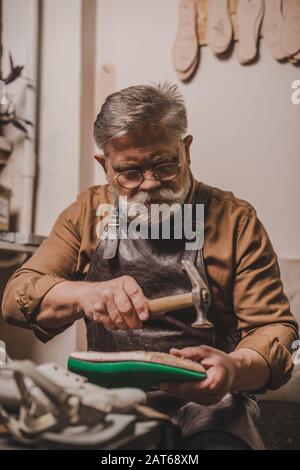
x=9, y=247
x=5, y=145
x=6, y=148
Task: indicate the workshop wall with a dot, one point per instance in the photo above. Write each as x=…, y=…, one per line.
x=11, y=174
x=58, y=145
x=59, y=134
x=245, y=127
x=18, y=15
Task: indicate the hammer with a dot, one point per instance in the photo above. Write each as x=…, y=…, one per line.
x=199, y=298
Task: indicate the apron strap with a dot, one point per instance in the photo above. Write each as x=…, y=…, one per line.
x=203, y=196
x=112, y=239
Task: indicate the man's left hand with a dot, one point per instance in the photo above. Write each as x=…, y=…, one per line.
x=221, y=370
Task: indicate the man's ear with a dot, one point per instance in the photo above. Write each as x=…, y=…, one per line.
x=187, y=143
x=101, y=159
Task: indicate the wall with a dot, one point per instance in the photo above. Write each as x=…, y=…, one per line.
x=246, y=130
x=59, y=134
x=25, y=22
x=19, y=16
x=59, y=129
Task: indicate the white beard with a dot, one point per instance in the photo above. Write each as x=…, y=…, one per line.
x=146, y=198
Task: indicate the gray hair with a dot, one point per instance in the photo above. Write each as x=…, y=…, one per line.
x=138, y=107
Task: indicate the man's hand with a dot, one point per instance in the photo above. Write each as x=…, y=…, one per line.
x=243, y=369
x=221, y=373
x=117, y=304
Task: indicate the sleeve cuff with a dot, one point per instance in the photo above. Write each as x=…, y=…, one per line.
x=275, y=354
x=45, y=335
x=30, y=296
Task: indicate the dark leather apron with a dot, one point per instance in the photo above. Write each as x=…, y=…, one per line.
x=156, y=266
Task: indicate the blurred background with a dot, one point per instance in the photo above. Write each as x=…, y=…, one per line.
x=74, y=52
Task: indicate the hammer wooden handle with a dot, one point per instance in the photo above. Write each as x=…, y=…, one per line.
x=173, y=302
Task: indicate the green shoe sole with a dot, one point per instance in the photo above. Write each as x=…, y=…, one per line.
x=144, y=375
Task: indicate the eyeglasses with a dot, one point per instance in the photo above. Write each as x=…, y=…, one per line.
x=132, y=179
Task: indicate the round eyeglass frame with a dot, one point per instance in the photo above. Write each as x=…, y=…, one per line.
x=142, y=177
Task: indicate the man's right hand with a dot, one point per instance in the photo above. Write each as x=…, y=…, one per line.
x=117, y=304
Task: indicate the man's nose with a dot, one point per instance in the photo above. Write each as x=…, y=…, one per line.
x=149, y=182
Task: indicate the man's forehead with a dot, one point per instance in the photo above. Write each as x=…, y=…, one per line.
x=141, y=142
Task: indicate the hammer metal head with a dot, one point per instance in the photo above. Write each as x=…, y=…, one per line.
x=200, y=295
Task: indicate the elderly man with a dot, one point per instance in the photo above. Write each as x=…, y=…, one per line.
x=145, y=152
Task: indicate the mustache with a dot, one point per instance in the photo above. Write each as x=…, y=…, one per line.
x=157, y=196
x=160, y=195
